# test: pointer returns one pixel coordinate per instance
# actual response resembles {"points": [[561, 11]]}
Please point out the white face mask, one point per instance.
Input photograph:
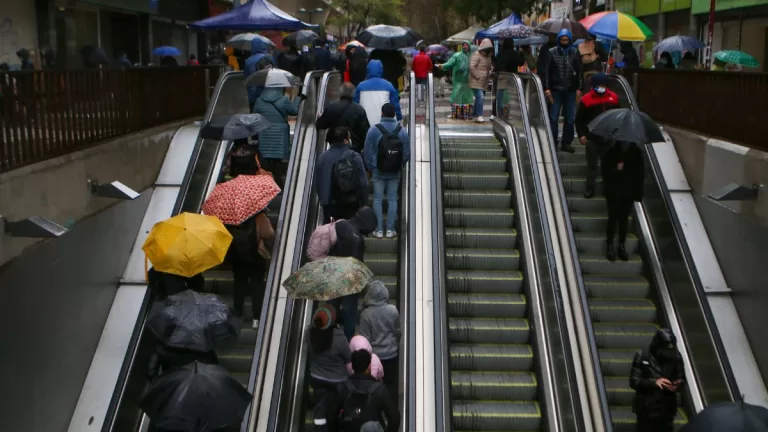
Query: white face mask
{"points": [[600, 90]]}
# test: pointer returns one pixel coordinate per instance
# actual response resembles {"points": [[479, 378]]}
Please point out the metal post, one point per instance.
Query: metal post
{"points": [[710, 34], [208, 88]]}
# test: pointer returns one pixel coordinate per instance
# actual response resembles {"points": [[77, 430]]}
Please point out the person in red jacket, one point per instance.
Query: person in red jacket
{"points": [[595, 102], [422, 66]]}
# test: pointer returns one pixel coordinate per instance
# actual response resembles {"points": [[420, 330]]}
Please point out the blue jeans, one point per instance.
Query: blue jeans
{"points": [[348, 304], [567, 101], [500, 102], [479, 98], [388, 182]]}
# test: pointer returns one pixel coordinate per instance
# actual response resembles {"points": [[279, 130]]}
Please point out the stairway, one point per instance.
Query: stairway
{"points": [[493, 383], [621, 299]]}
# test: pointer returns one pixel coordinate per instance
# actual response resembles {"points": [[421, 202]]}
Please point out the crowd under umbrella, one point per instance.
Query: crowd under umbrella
{"points": [[729, 417], [237, 200], [554, 25], [194, 321], [243, 41], [679, 43], [233, 127], [328, 278], [389, 37], [166, 51], [301, 38], [623, 125], [273, 78], [737, 58], [616, 25], [197, 397]]}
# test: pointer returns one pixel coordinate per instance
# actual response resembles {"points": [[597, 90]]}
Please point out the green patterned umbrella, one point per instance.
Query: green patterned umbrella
{"points": [[328, 278], [737, 57]]}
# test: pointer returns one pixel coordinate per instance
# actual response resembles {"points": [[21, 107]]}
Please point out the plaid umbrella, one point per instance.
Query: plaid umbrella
{"points": [[328, 278], [737, 57], [235, 201]]}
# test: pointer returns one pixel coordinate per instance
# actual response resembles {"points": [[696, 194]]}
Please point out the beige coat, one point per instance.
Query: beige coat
{"points": [[480, 66]]}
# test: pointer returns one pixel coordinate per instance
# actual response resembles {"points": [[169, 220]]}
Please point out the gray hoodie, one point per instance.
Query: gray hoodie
{"points": [[380, 321], [331, 365]]}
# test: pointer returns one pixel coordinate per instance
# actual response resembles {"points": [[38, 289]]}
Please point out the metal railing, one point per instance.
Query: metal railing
{"points": [[48, 113]]}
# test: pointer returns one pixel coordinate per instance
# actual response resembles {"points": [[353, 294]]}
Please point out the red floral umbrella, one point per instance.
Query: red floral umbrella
{"points": [[235, 201]]}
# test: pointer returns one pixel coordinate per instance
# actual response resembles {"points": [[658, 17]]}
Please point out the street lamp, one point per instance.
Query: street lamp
{"points": [[310, 12]]}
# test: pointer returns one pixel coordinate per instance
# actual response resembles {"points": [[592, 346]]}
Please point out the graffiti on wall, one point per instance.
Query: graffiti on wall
{"points": [[9, 41]]}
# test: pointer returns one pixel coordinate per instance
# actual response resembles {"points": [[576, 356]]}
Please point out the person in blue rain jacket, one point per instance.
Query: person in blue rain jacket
{"points": [[375, 91], [259, 52]]}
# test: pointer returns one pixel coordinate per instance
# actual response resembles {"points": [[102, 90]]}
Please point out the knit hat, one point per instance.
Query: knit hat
{"points": [[599, 79], [326, 313]]}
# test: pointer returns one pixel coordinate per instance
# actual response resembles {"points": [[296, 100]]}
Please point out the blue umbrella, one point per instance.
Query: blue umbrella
{"points": [[512, 25], [165, 51], [252, 16], [678, 44]]}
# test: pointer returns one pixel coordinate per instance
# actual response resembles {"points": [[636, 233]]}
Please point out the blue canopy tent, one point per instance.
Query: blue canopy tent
{"points": [[506, 23], [254, 15]]}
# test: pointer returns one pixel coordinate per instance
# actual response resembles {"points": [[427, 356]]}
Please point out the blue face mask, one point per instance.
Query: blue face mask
{"points": [[599, 90]]}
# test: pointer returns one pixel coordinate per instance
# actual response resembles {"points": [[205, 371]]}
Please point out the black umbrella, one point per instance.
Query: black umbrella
{"points": [[554, 25], [729, 417], [195, 321], [301, 38], [234, 127], [388, 37], [625, 125], [197, 397]]}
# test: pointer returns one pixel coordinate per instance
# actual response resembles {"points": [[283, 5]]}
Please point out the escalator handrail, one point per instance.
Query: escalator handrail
{"points": [[538, 179], [132, 349], [689, 262], [604, 416], [273, 279], [439, 297]]}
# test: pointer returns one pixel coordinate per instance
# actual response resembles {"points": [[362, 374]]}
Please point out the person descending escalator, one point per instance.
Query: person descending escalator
{"points": [[365, 399], [165, 284], [360, 342], [562, 79], [623, 175], [657, 376]]}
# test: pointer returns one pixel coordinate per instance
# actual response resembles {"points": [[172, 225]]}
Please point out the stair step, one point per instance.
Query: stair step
{"points": [[496, 415], [578, 204], [484, 357], [487, 305], [622, 310], [479, 152], [497, 165], [484, 281], [454, 180], [489, 330], [479, 218], [478, 199], [481, 238], [493, 385], [594, 243], [381, 246], [599, 264], [482, 259], [579, 185], [617, 286], [382, 264], [616, 362], [237, 358], [618, 390], [624, 335], [624, 419], [591, 222]]}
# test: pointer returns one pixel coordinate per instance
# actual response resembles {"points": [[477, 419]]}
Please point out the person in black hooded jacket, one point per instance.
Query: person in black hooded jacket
{"points": [[357, 64], [380, 407], [346, 112], [657, 375], [350, 242]]}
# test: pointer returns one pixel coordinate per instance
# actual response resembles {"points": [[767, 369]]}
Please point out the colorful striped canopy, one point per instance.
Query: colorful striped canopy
{"points": [[617, 25]]}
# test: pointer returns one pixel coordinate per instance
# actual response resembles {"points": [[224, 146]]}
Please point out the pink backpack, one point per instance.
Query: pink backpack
{"points": [[321, 241]]}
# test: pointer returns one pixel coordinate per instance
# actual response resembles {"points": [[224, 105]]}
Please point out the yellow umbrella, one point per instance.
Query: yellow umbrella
{"points": [[187, 244]]}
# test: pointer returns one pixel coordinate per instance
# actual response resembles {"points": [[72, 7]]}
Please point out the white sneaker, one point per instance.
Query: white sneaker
{"points": [[391, 234], [255, 324], [378, 234], [479, 119]]}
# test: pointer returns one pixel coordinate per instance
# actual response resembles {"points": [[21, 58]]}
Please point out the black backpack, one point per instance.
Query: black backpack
{"points": [[390, 155], [358, 407], [345, 180]]}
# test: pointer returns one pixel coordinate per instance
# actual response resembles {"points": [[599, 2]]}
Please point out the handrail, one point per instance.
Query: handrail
{"points": [[695, 279], [595, 385], [133, 346], [440, 301], [266, 316]]}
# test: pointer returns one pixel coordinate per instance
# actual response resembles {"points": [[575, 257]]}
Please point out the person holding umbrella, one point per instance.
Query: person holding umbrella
{"points": [[260, 57]]}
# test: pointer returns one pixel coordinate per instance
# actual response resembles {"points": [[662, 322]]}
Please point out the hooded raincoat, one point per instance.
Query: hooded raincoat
{"points": [[275, 141], [375, 91], [259, 51], [459, 64], [380, 321]]}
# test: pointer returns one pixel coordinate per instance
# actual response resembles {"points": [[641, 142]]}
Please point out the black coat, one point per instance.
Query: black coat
{"points": [[346, 113], [350, 234], [380, 400], [648, 366], [394, 64], [357, 63], [592, 105], [562, 70], [508, 59], [626, 183], [322, 59]]}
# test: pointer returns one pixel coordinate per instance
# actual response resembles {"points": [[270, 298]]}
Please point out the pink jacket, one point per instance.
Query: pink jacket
{"points": [[359, 343]]}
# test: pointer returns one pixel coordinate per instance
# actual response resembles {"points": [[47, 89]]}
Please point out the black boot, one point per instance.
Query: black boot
{"points": [[623, 255], [610, 254], [589, 192], [567, 148]]}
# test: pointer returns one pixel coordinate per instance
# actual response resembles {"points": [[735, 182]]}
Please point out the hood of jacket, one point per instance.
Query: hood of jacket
{"points": [[375, 69], [23, 54], [272, 94], [663, 339], [360, 343], [364, 220], [258, 46], [567, 33], [485, 44], [469, 44], [377, 295]]}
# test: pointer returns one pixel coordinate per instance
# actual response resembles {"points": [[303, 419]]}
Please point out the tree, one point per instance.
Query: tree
{"points": [[489, 11], [360, 14]]}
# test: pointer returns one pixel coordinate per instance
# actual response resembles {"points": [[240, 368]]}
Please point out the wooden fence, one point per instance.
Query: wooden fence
{"points": [[44, 114]]}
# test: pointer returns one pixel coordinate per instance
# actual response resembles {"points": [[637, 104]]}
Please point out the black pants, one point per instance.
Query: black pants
{"points": [[391, 377], [278, 169], [249, 281], [618, 214], [645, 424], [337, 211], [592, 158], [326, 406]]}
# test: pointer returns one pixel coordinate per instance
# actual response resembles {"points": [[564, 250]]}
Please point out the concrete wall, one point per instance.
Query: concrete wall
{"points": [[58, 188], [738, 230], [18, 29]]}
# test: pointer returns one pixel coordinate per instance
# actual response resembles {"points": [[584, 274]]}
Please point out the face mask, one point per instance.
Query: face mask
{"points": [[663, 61], [599, 90], [668, 353]]}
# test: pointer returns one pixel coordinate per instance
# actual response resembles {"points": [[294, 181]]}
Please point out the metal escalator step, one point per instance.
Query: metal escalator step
{"points": [[622, 310], [487, 305], [489, 330], [579, 157], [591, 222], [579, 185], [247, 308], [381, 246], [496, 415], [242, 378], [624, 419], [594, 243], [493, 385], [248, 335], [483, 281], [624, 335], [495, 151], [573, 169], [496, 165], [454, 180], [480, 218], [617, 286], [382, 264], [237, 358], [478, 198], [481, 238], [390, 281], [578, 204], [617, 362], [592, 264], [491, 357], [482, 259], [470, 143], [219, 281], [618, 390]]}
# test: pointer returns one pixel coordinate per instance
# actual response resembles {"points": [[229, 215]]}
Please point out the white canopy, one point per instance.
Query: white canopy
{"points": [[466, 35]]}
